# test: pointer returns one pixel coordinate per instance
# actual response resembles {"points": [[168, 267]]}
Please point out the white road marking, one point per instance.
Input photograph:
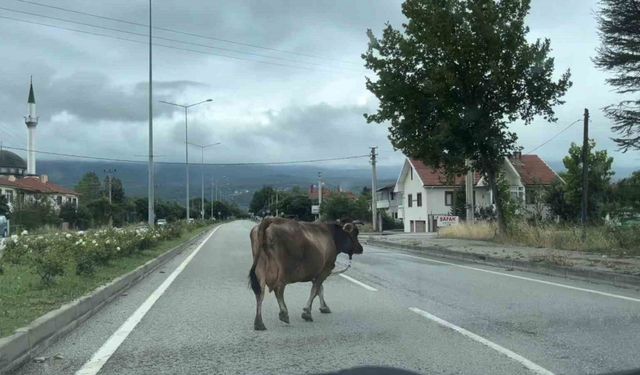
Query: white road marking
{"points": [[502, 350], [367, 287], [523, 278], [99, 358]]}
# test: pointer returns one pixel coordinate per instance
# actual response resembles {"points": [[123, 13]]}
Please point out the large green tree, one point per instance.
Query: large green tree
{"points": [[117, 190], [565, 200], [452, 80], [343, 207], [89, 188], [619, 23], [262, 200], [298, 205], [626, 194]]}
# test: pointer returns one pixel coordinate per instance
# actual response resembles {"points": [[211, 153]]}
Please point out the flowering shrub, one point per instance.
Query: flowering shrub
{"points": [[83, 252]]}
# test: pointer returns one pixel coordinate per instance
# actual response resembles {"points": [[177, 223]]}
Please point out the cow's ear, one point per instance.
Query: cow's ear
{"points": [[348, 228]]}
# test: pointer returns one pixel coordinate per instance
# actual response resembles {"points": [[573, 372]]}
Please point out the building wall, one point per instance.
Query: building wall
{"points": [[56, 200], [385, 203], [413, 187]]}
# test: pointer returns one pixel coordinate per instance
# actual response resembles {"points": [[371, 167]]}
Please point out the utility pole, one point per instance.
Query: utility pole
{"points": [[469, 192], [319, 193], [211, 198], [585, 172], [277, 212], [109, 173], [151, 208], [374, 208]]}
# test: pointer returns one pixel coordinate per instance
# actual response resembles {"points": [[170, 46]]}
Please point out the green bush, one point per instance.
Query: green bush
{"points": [[49, 255]]}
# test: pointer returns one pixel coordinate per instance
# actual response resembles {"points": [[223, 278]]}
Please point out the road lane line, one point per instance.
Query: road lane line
{"points": [[367, 287], [523, 278], [99, 358], [502, 350]]}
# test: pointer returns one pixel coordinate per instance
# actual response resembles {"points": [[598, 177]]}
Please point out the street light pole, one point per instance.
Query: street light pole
{"points": [[186, 141], [151, 198], [202, 147], [211, 198]]}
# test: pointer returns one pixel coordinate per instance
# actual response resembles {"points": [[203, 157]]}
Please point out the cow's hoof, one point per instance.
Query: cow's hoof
{"points": [[325, 310], [259, 326], [284, 317], [306, 315]]}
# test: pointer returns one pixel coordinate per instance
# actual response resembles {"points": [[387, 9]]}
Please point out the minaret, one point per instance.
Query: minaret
{"points": [[31, 120]]}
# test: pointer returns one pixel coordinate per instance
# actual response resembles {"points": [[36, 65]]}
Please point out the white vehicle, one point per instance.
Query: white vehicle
{"points": [[162, 221]]}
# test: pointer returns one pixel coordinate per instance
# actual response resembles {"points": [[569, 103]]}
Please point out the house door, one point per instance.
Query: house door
{"points": [[421, 226]]}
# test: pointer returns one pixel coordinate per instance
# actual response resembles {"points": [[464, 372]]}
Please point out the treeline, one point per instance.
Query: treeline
{"points": [[95, 210], [296, 204]]}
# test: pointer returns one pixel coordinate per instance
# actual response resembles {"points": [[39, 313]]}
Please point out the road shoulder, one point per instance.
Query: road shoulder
{"points": [[559, 263]]}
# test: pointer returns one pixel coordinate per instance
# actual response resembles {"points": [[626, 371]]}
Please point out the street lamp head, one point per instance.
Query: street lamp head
{"points": [[209, 100]]}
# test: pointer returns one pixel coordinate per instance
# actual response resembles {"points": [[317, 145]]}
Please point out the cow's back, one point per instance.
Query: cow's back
{"points": [[300, 250]]}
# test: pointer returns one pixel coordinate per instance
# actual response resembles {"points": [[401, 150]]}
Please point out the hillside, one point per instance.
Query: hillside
{"points": [[237, 182]]}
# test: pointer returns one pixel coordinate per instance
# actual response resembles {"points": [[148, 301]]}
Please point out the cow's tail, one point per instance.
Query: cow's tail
{"points": [[261, 245]]}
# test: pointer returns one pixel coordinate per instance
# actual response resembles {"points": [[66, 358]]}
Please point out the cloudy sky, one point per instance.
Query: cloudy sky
{"points": [[300, 96]]}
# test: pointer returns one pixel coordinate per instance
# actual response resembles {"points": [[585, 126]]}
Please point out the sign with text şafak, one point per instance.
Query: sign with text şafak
{"points": [[447, 221]]}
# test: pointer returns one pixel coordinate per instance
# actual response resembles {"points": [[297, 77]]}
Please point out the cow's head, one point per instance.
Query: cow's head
{"points": [[346, 239]]}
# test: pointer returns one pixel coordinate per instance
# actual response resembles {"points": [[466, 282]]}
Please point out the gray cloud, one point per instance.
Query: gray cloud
{"points": [[92, 96], [91, 91]]}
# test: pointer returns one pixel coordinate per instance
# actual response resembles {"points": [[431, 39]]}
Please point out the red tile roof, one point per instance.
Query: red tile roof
{"points": [[533, 170], [35, 185], [433, 177]]}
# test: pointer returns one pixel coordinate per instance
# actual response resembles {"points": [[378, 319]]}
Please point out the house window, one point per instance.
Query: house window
{"points": [[59, 200], [448, 198], [411, 172], [391, 195], [409, 201], [419, 199], [9, 195]]}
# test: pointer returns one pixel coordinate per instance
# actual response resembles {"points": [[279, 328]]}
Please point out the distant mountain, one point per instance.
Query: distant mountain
{"points": [[236, 182]]}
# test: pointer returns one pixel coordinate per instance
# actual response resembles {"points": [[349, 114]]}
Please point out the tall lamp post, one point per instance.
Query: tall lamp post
{"points": [[186, 141], [202, 147]]}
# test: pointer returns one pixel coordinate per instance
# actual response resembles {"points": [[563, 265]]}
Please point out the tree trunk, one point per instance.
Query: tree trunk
{"points": [[493, 184]]}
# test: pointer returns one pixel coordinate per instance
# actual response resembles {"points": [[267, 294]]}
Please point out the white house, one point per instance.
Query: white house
{"points": [[389, 201], [427, 193]]}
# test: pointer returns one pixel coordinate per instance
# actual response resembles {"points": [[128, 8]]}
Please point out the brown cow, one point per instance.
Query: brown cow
{"points": [[287, 251]]}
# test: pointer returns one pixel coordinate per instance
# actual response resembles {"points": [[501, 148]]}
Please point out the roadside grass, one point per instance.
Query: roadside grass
{"points": [[479, 231], [24, 297], [600, 239]]}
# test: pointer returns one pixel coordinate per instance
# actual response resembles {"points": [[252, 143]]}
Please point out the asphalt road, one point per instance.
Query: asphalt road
{"points": [[421, 314]]}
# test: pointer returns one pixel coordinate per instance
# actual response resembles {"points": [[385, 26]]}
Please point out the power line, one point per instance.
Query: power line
{"points": [[185, 33], [163, 38], [78, 156], [164, 45], [552, 138]]}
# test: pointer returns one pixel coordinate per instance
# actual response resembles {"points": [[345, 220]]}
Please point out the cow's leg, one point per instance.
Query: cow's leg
{"points": [[258, 324], [284, 313], [306, 311], [323, 305], [259, 287]]}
